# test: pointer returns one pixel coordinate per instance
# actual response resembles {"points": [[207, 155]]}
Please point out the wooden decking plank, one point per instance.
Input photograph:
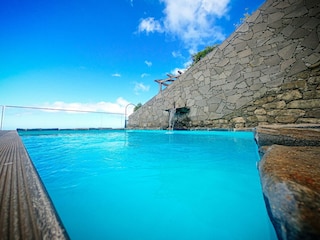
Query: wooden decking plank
{"points": [[26, 211]]}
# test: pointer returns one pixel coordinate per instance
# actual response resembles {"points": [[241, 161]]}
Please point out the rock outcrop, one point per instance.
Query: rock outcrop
{"points": [[287, 135], [290, 178]]}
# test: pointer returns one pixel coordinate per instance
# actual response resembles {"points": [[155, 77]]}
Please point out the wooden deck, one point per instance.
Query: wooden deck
{"points": [[26, 211]]}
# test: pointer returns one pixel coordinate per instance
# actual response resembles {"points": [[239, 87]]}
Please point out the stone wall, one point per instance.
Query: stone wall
{"points": [[266, 72]]}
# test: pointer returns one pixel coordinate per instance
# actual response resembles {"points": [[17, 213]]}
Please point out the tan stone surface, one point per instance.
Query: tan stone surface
{"points": [[297, 164], [290, 135], [290, 178]]}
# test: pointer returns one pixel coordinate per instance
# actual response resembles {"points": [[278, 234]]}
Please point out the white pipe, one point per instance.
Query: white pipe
{"points": [[2, 116]]}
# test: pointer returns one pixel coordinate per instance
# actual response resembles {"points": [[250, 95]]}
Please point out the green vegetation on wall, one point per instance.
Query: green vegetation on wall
{"points": [[137, 107], [198, 56]]}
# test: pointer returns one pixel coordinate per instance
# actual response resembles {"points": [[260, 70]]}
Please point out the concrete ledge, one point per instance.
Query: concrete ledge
{"points": [[26, 210]]}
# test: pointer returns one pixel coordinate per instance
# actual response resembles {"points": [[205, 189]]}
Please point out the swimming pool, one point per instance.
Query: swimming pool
{"points": [[120, 184]]}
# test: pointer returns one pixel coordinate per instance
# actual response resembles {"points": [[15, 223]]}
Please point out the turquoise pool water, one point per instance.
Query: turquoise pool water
{"points": [[150, 185]]}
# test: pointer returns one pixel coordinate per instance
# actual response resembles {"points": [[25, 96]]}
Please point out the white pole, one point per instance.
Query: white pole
{"points": [[125, 114], [2, 116]]}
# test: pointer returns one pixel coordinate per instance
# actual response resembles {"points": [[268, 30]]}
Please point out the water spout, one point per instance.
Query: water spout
{"points": [[172, 113]]}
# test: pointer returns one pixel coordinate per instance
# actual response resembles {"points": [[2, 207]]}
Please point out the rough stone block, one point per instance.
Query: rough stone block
{"points": [[239, 125], [255, 87], [247, 36], [216, 70], [251, 108], [273, 112], [308, 120], [223, 62], [244, 61], [197, 74], [257, 61], [290, 178], [247, 93], [290, 95], [287, 31], [313, 113], [242, 85], [201, 103], [287, 63], [243, 101], [262, 118], [244, 53], [213, 107], [281, 5], [228, 49], [239, 44], [277, 25], [238, 120], [275, 17], [259, 27], [313, 103], [206, 73], [204, 90], [286, 119], [223, 45], [261, 49], [264, 100], [311, 22], [220, 108], [273, 60], [311, 41], [287, 51], [217, 83], [252, 119], [215, 115], [252, 74], [233, 98], [297, 11], [295, 113], [260, 111], [313, 59], [274, 105], [265, 78], [269, 36], [271, 70], [243, 28], [299, 33], [301, 84], [254, 17]]}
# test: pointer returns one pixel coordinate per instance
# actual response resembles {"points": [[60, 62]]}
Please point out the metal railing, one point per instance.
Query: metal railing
{"points": [[4, 107], [2, 116], [125, 114]]}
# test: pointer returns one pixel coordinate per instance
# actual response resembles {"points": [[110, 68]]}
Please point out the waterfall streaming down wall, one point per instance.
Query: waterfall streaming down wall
{"points": [[172, 113]]}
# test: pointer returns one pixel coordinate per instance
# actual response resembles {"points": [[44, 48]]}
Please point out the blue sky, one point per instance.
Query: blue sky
{"points": [[100, 55]]}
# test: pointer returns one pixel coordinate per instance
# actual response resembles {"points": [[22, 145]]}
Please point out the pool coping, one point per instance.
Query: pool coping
{"points": [[27, 211]]}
